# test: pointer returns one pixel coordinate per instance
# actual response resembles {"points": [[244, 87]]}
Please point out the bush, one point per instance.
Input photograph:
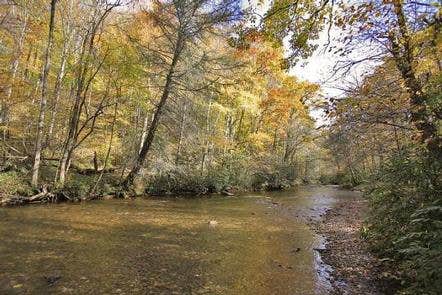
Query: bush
{"points": [[346, 179], [176, 182], [14, 183], [405, 224], [78, 186], [273, 178], [233, 171]]}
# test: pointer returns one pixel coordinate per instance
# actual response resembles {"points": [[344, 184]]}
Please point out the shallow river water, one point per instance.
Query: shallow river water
{"points": [[262, 244]]}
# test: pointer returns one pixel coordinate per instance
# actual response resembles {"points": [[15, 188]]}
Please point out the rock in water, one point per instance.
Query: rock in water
{"points": [[52, 280], [213, 223], [227, 193]]}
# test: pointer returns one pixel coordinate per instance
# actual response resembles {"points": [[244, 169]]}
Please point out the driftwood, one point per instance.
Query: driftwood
{"points": [[227, 193], [92, 171], [44, 196]]}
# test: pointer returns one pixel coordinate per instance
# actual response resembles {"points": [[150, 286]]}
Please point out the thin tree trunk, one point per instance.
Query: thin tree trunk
{"points": [[74, 119], [95, 160], [83, 62], [239, 128], [181, 134], [57, 92], [144, 132], [43, 100], [106, 159], [28, 59], [128, 182], [207, 145], [287, 148], [83, 83]]}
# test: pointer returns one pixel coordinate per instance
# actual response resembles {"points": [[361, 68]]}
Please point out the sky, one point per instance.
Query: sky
{"points": [[318, 67], [314, 69]]}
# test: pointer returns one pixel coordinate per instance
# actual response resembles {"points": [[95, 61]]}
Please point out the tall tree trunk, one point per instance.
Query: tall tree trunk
{"points": [[128, 181], [403, 57], [181, 134], [146, 120], [43, 99], [287, 148], [28, 59], [84, 80], [57, 92], [206, 147], [239, 128], [74, 117]]}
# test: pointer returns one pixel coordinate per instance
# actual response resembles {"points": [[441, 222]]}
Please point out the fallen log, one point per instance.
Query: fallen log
{"points": [[12, 201], [92, 171], [44, 196]]}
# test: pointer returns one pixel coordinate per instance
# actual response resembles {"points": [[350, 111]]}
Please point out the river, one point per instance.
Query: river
{"points": [[261, 244]]}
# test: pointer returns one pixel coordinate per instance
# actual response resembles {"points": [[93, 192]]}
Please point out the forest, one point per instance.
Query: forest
{"points": [[120, 99]]}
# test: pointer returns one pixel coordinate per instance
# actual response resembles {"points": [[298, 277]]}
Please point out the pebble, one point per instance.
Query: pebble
{"points": [[213, 223], [66, 290]]}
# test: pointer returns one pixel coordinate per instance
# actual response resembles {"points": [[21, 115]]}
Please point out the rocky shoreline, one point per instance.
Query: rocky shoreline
{"points": [[354, 270]]}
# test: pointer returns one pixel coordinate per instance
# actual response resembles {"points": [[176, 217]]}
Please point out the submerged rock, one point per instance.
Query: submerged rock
{"points": [[297, 249], [213, 223], [52, 280]]}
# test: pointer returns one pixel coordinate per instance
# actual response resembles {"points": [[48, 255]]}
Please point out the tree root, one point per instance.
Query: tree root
{"points": [[44, 196]]}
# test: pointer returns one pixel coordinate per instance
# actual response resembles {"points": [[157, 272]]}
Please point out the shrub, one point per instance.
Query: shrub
{"points": [[14, 183], [234, 170], [176, 182], [405, 224]]}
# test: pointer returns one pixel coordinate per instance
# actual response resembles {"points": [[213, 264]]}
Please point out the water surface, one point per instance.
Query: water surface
{"points": [[262, 244]]}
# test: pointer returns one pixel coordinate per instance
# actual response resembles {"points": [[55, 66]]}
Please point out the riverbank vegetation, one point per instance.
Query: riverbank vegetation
{"points": [[386, 138]]}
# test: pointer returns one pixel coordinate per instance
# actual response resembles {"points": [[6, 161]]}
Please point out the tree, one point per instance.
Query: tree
{"points": [[300, 22], [43, 99], [208, 111], [87, 69], [391, 29], [181, 23]]}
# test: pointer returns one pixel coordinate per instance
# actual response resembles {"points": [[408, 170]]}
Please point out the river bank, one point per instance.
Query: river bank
{"points": [[354, 270], [16, 190]]}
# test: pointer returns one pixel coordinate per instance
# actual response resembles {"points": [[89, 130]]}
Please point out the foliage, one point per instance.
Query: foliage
{"points": [[405, 223], [229, 110], [299, 22], [14, 183], [233, 172], [385, 136]]}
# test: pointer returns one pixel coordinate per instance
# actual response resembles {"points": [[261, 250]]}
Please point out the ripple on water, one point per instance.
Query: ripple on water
{"points": [[261, 244]]}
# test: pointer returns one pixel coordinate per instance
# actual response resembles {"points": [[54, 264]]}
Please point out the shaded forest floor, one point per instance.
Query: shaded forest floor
{"points": [[355, 269]]}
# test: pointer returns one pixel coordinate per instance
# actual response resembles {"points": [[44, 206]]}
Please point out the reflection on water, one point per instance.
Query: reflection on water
{"points": [[261, 245]]}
